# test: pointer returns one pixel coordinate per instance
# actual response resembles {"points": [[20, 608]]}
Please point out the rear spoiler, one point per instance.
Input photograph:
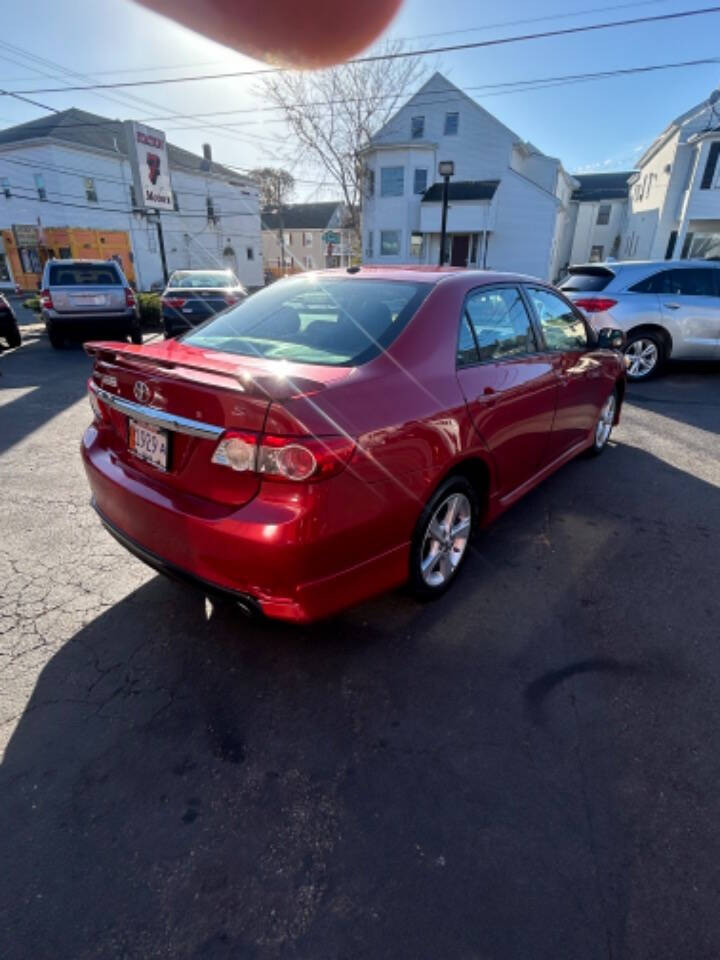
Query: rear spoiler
{"points": [[243, 379]]}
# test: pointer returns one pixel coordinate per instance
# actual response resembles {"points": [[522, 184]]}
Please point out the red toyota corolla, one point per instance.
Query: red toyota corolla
{"points": [[341, 433]]}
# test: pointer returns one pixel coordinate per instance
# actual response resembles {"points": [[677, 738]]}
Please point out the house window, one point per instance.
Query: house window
{"points": [[40, 186], [420, 181], [308, 261], [90, 191], [65, 253], [307, 238], [710, 166], [603, 217], [417, 128], [596, 254], [176, 202], [370, 183], [5, 187], [452, 123], [133, 197], [250, 253], [287, 239], [369, 244], [392, 181], [211, 211], [389, 243], [417, 246], [670, 249]]}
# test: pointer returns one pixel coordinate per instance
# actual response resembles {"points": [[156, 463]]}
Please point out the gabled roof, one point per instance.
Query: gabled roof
{"points": [[81, 128], [671, 130], [602, 186], [302, 216], [462, 190]]}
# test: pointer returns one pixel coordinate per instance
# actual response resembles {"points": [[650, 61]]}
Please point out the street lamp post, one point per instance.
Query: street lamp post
{"points": [[446, 168]]}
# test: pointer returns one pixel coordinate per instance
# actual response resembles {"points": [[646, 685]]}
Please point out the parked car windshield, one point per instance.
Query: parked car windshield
{"points": [[79, 275], [206, 278], [586, 281], [339, 321]]}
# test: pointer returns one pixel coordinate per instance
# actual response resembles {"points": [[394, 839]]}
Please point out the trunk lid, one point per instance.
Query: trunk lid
{"points": [[90, 300], [194, 396]]}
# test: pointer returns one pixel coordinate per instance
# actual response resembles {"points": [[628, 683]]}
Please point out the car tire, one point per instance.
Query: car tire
{"points": [[646, 356], [136, 335], [13, 337], [603, 427], [57, 341], [442, 538]]}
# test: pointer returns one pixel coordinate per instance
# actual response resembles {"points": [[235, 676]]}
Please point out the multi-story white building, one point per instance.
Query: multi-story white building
{"points": [[509, 204], [674, 202], [66, 189], [597, 217]]}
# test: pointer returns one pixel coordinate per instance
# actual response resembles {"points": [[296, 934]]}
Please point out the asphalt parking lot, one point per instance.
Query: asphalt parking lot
{"points": [[526, 769]]}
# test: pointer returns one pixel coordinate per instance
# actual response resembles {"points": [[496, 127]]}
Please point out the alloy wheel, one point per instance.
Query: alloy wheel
{"points": [[643, 356], [605, 423], [446, 539]]}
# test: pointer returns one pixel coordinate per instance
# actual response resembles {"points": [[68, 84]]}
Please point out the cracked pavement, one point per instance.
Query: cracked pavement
{"points": [[527, 768]]}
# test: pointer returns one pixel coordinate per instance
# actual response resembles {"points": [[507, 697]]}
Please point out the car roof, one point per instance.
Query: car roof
{"points": [[67, 261], [424, 273], [614, 265]]}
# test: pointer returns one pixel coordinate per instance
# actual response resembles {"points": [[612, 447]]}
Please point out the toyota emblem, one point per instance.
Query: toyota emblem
{"points": [[142, 391]]}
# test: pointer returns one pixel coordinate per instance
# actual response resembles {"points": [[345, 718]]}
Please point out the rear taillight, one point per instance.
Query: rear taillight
{"points": [[175, 303], [129, 298], [284, 458], [595, 304], [232, 298], [46, 300]]}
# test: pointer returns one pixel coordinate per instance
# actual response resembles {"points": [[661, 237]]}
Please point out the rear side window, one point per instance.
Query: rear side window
{"points": [[77, 275], [338, 322], [562, 328], [585, 282], [500, 323], [690, 282]]}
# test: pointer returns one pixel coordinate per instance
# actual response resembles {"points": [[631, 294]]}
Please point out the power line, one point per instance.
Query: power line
{"points": [[128, 210], [381, 57]]}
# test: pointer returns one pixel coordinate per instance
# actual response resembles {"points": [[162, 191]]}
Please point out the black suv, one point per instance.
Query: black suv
{"points": [[9, 329]]}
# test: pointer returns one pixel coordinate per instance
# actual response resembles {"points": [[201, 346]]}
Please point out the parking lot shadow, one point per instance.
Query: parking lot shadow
{"points": [[688, 393], [186, 783]]}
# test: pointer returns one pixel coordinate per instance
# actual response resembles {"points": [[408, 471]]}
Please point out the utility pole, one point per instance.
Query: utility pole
{"points": [[446, 168], [154, 217]]}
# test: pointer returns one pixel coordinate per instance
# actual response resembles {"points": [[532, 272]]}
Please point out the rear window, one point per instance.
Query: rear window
{"points": [[76, 275], [586, 281], [210, 278], [338, 322]]}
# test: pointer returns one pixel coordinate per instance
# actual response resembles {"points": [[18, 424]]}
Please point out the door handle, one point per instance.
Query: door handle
{"points": [[672, 306]]}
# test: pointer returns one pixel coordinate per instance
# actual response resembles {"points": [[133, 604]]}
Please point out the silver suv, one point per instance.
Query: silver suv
{"points": [[667, 308], [82, 298]]}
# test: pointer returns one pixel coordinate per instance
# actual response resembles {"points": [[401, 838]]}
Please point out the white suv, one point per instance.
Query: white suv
{"points": [[666, 308]]}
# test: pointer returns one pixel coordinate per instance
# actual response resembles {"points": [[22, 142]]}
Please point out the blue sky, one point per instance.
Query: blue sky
{"points": [[597, 125]]}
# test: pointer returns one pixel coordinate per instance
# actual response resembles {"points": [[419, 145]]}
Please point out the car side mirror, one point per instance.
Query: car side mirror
{"points": [[610, 338]]}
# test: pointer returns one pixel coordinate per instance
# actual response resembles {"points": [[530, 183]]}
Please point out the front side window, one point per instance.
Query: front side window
{"points": [[420, 181], [417, 127], [500, 323], [389, 243], [339, 322], [603, 217], [392, 181], [562, 328], [90, 191], [452, 124]]}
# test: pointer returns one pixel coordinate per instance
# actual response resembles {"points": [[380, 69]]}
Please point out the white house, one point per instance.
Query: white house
{"points": [[66, 189], [674, 203], [509, 204], [598, 213]]}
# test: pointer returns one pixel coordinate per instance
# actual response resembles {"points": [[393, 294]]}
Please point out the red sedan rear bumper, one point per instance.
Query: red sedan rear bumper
{"points": [[265, 551]]}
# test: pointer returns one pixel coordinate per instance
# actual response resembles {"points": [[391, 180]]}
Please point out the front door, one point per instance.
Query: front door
{"points": [[582, 386], [509, 387], [460, 250]]}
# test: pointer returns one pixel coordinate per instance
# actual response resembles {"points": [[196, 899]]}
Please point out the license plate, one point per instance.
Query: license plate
{"points": [[149, 443], [82, 301]]}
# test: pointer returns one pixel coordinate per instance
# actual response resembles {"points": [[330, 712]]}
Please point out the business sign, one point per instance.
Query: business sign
{"points": [[26, 234], [147, 152], [330, 236]]}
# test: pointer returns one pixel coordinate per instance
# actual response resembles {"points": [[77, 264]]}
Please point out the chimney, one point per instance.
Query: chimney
{"points": [[207, 156]]}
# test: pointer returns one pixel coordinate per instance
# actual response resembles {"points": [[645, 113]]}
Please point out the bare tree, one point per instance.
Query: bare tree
{"points": [[276, 185], [333, 114]]}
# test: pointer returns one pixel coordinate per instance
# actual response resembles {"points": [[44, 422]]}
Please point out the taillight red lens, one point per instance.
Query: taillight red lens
{"points": [[46, 300], [284, 458], [595, 304], [129, 297], [174, 302]]}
